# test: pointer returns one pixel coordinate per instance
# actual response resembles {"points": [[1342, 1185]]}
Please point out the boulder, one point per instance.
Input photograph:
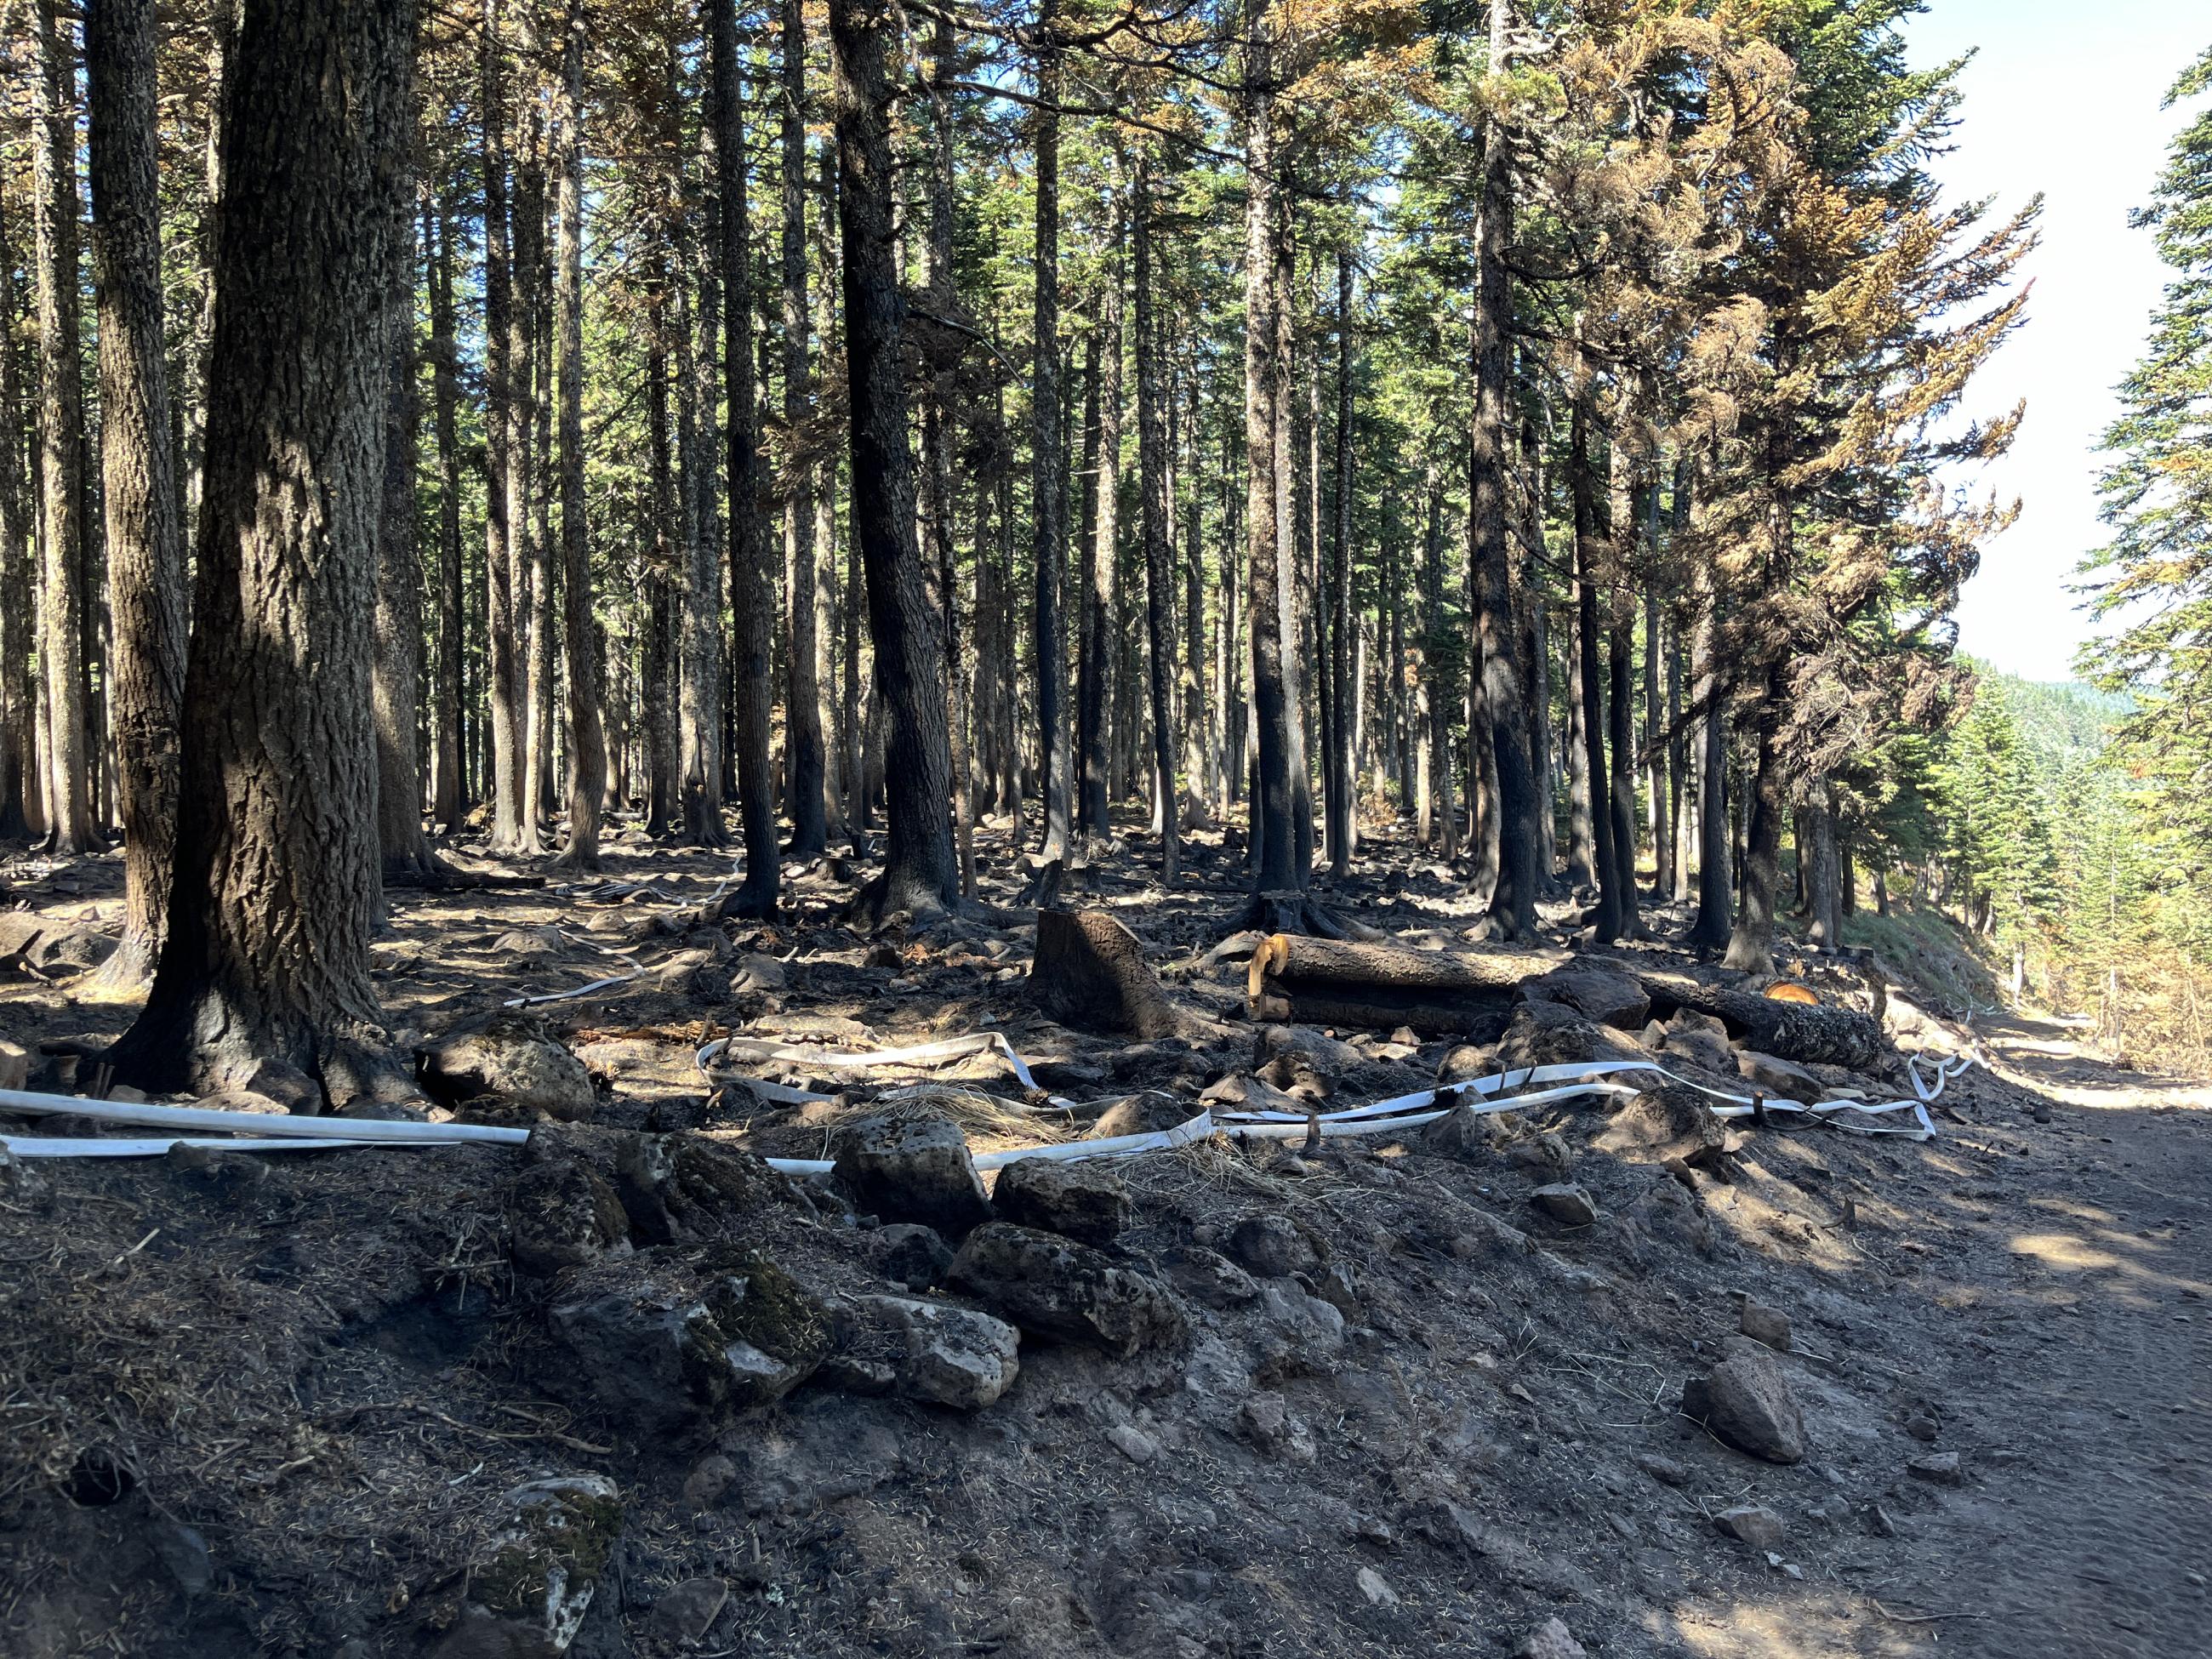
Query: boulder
{"points": [[559, 1214], [1272, 1246], [1663, 1120], [757, 972], [911, 1165], [1940, 1467], [937, 1354], [682, 1186], [508, 1058], [1595, 990], [1702, 1041], [1302, 1062], [1298, 1335], [1566, 1202], [1084, 1201], [674, 1346], [912, 1254], [1056, 1287], [1746, 1401], [1552, 1034], [1463, 1060], [529, 1590], [15, 1065]]}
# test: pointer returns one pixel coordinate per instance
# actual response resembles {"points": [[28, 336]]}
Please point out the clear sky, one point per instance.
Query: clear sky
{"points": [[2062, 98]]}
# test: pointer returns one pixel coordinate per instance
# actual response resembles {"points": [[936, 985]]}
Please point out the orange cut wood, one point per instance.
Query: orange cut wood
{"points": [[1790, 991]]}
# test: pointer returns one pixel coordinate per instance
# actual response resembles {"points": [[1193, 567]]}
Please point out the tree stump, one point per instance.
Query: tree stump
{"points": [[1090, 973]]}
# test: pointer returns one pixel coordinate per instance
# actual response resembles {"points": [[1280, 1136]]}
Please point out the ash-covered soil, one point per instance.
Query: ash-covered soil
{"points": [[626, 1390]]}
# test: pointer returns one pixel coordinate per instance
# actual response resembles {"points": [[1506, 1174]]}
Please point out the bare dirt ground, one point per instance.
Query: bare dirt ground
{"points": [[1447, 1420]]}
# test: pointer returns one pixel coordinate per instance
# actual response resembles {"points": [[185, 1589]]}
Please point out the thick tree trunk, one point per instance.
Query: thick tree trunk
{"points": [[1620, 657], [18, 723], [700, 738], [266, 957], [804, 766], [529, 569], [1439, 685], [1535, 596], [1152, 490], [64, 626], [449, 705], [1342, 764], [1500, 703], [1048, 456], [1584, 488], [1266, 386], [586, 740], [1750, 944], [1094, 675], [145, 547], [1823, 868], [397, 671], [504, 510], [752, 589], [1715, 919], [656, 691], [939, 418], [920, 876]]}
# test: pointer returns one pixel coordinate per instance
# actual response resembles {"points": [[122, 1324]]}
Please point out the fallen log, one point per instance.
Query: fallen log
{"points": [[1319, 981], [1812, 1034]]}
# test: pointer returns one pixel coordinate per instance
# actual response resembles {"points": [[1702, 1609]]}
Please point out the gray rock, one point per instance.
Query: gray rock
{"points": [[1782, 1077], [1664, 1470], [911, 1165], [1567, 1203], [559, 1214], [1085, 1201], [1923, 1428], [1940, 1467], [686, 1613], [1747, 1402], [756, 972], [1209, 1277], [1145, 1113], [184, 1552], [709, 1481], [937, 1354], [1298, 1332], [509, 1058], [1056, 1287], [1753, 1524], [1272, 1246], [1702, 1041], [674, 1346], [1133, 1443], [531, 1587], [1376, 1589], [1551, 1640], [1877, 1521], [677, 1186], [1594, 990], [912, 1254], [1765, 1325], [1467, 1059]]}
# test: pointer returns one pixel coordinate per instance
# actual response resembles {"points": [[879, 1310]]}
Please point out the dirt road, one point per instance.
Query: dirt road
{"points": [[2059, 1338]]}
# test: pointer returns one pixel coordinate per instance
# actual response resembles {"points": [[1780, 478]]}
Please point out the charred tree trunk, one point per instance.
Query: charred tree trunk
{"points": [[398, 667], [504, 511], [18, 724], [448, 707], [587, 754], [529, 572], [1750, 944], [1500, 701], [656, 708], [1159, 552], [265, 965], [1048, 456], [1266, 388], [752, 589], [1341, 763], [1584, 488], [1715, 919], [920, 876], [145, 550], [1095, 676], [803, 768], [1620, 655], [64, 624]]}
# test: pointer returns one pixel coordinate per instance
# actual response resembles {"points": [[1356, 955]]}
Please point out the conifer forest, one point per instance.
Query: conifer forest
{"points": [[1214, 560]]}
